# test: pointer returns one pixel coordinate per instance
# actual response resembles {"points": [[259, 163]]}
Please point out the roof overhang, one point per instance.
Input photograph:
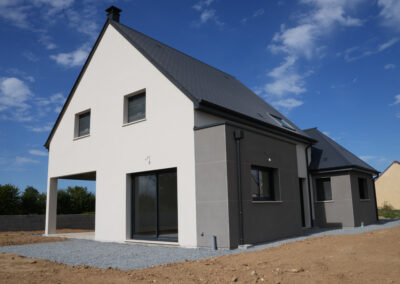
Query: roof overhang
{"points": [[241, 118], [344, 169]]}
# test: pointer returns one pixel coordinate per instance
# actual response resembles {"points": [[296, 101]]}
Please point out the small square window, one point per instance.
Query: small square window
{"points": [[135, 107], [324, 190], [362, 188], [82, 124], [264, 184]]}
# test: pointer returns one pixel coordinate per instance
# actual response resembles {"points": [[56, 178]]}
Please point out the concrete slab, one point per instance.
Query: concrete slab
{"points": [[78, 236]]}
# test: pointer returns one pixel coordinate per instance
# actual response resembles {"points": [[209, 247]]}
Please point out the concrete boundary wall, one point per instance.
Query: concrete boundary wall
{"points": [[37, 222]]}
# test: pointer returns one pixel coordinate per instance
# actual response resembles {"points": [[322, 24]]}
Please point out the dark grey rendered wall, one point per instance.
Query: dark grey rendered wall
{"points": [[346, 209], [216, 188], [263, 221], [364, 210], [37, 222]]}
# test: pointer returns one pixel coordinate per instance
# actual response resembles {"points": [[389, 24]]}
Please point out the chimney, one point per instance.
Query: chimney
{"points": [[113, 13]]}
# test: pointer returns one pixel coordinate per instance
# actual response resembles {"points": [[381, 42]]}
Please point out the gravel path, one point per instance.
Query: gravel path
{"points": [[136, 256]]}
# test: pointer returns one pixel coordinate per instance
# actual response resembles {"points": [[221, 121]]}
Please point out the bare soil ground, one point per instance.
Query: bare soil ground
{"points": [[31, 237], [372, 257]]}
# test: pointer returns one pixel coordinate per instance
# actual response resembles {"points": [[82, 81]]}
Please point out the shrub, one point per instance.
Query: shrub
{"points": [[387, 211]]}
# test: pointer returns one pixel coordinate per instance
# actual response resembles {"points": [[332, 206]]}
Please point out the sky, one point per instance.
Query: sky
{"points": [[331, 64]]}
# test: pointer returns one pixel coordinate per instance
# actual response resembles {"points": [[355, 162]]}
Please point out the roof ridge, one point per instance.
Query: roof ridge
{"points": [[177, 50]]}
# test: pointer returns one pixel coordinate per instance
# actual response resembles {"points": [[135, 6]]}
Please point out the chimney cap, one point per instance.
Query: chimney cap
{"points": [[113, 13]]}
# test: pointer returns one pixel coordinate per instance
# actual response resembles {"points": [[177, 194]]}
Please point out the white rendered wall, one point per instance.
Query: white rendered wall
{"points": [[164, 140]]}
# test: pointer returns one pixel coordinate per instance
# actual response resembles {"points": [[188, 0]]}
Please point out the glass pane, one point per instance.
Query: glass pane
{"points": [[362, 187], [266, 185], [84, 124], [167, 205], [255, 184], [136, 107], [145, 206], [324, 190]]}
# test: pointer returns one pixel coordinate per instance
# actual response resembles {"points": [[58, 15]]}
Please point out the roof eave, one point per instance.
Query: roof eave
{"points": [[344, 168], [239, 117]]}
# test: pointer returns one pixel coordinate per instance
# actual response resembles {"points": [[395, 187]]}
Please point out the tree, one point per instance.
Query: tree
{"points": [[10, 202], [63, 202], [81, 200], [33, 202]]}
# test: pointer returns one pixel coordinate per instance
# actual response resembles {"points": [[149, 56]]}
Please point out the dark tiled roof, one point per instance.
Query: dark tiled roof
{"points": [[327, 154], [202, 82]]}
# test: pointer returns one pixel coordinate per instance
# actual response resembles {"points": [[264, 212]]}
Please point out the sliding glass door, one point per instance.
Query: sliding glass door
{"points": [[155, 205]]}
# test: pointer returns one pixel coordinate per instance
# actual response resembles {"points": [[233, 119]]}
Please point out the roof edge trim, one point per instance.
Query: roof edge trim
{"points": [[241, 118]]}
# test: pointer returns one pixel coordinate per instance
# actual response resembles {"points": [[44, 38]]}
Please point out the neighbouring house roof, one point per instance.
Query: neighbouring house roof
{"points": [[393, 163], [326, 154], [206, 86]]}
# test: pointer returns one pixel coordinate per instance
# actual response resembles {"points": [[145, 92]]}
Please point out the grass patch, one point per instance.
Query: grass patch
{"points": [[387, 211]]}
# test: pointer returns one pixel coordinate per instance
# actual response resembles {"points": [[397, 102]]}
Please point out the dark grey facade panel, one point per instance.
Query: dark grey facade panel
{"points": [[263, 221]]}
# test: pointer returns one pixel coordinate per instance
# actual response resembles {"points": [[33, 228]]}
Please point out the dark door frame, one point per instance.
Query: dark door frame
{"points": [[156, 237]]}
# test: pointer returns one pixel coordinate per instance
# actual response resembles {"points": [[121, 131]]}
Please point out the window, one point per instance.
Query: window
{"points": [[283, 122], [362, 188], [135, 107], [324, 190], [264, 184], [82, 124]]}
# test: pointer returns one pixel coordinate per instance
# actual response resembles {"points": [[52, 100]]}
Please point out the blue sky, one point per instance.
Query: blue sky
{"points": [[334, 64]]}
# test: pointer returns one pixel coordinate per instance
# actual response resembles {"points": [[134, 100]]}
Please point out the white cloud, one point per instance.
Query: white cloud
{"points": [[199, 6], [304, 41], [55, 6], [14, 93], [303, 38], [369, 158], [44, 128], [72, 59], [24, 160], [30, 56], [387, 44], [288, 104], [256, 14], [38, 152], [390, 66], [396, 100], [356, 52], [286, 80], [207, 14], [390, 12], [15, 12]]}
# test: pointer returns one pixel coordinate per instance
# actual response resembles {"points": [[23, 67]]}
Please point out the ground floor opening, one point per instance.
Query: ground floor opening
{"points": [[154, 205]]}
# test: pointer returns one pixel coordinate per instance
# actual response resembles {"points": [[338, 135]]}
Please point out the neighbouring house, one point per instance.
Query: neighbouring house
{"points": [[181, 152], [388, 186]]}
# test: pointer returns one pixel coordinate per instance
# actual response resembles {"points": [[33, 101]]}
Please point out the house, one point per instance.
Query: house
{"points": [[181, 152], [388, 186], [343, 184]]}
